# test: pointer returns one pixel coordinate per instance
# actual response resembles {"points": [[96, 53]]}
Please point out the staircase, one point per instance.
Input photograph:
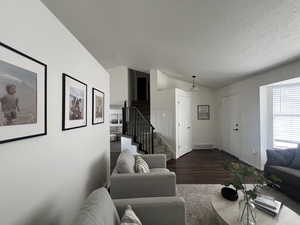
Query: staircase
{"points": [[160, 147], [138, 127], [141, 132], [143, 107]]}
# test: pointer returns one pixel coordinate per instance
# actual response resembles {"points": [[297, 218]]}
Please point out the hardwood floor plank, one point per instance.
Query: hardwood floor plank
{"points": [[202, 167]]}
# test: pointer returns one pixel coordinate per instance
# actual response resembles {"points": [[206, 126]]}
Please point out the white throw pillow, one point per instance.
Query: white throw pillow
{"points": [[125, 163], [130, 218], [140, 165]]}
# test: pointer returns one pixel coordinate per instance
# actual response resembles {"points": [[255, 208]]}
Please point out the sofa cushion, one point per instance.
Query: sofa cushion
{"points": [[98, 209], [130, 218], [125, 163], [280, 157], [286, 175], [296, 162], [140, 165], [159, 170]]}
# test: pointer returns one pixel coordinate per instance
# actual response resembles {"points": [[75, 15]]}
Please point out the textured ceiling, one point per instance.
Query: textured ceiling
{"points": [[220, 40]]}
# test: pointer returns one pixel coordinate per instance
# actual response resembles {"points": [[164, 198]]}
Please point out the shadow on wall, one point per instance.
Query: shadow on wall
{"points": [[97, 174], [44, 215], [48, 213]]}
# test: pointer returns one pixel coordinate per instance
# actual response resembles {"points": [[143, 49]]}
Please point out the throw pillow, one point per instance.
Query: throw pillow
{"points": [[130, 218], [140, 165], [125, 163], [280, 157], [296, 162]]}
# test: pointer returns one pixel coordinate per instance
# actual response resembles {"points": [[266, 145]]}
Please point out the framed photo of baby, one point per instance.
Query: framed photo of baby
{"points": [[23, 108], [98, 106], [74, 103]]}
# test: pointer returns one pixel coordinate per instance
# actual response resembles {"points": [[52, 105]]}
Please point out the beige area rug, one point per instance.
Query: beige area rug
{"points": [[198, 207]]}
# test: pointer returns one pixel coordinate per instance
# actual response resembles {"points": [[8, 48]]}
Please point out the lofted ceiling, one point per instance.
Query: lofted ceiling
{"points": [[220, 40]]}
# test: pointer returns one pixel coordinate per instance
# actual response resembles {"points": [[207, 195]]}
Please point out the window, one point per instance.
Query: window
{"points": [[286, 116]]}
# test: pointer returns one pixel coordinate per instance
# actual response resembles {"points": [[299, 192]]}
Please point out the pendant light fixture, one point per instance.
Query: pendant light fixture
{"points": [[194, 86]]}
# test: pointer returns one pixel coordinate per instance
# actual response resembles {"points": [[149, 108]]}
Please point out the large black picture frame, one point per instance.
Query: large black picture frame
{"points": [[42, 124], [66, 77]]}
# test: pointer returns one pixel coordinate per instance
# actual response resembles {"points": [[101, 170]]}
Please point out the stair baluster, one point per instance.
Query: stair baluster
{"points": [[139, 128]]}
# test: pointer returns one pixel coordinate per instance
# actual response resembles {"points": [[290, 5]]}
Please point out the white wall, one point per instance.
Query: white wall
{"points": [[166, 82], [45, 179], [163, 111], [118, 85], [204, 131], [249, 102]]}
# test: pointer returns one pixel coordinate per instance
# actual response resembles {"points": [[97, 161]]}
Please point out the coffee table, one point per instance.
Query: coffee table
{"points": [[228, 212]]}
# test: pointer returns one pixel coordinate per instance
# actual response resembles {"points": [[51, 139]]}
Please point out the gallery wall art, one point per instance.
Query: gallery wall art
{"points": [[98, 106], [74, 114], [23, 95]]}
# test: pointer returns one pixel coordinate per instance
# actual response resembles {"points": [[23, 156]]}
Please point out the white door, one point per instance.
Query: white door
{"points": [[184, 125], [230, 115]]}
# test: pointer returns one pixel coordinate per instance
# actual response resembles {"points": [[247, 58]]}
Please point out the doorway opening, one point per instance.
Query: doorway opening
{"points": [[139, 91]]}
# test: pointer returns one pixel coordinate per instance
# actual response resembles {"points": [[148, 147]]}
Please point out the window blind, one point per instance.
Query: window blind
{"points": [[286, 113]]}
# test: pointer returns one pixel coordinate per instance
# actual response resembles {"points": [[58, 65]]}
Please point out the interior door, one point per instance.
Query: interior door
{"points": [[184, 130], [231, 138]]}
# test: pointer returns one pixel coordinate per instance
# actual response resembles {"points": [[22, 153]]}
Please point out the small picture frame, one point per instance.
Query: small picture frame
{"points": [[203, 112], [98, 107], [23, 95], [74, 103]]}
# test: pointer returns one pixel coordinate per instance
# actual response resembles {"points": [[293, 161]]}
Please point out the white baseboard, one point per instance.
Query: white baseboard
{"points": [[203, 146]]}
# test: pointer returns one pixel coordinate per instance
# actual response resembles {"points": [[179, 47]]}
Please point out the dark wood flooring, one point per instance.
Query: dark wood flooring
{"points": [[201, 167], [197, 167]]}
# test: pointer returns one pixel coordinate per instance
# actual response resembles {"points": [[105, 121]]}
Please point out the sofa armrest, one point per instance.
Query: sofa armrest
{"points": [[155, 160], [159, 210], [143, 185]]}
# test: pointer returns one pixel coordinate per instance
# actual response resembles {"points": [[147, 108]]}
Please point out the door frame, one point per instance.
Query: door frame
{"points": [[182, 94], [228, 145]]}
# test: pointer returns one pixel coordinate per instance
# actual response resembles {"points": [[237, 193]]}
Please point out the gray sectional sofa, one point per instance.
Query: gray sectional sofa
{"points": [[100, 209], [285, 165], [126, 183]]}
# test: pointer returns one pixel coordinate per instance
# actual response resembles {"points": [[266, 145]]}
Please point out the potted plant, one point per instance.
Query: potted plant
{"points": [[242, 174]]}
